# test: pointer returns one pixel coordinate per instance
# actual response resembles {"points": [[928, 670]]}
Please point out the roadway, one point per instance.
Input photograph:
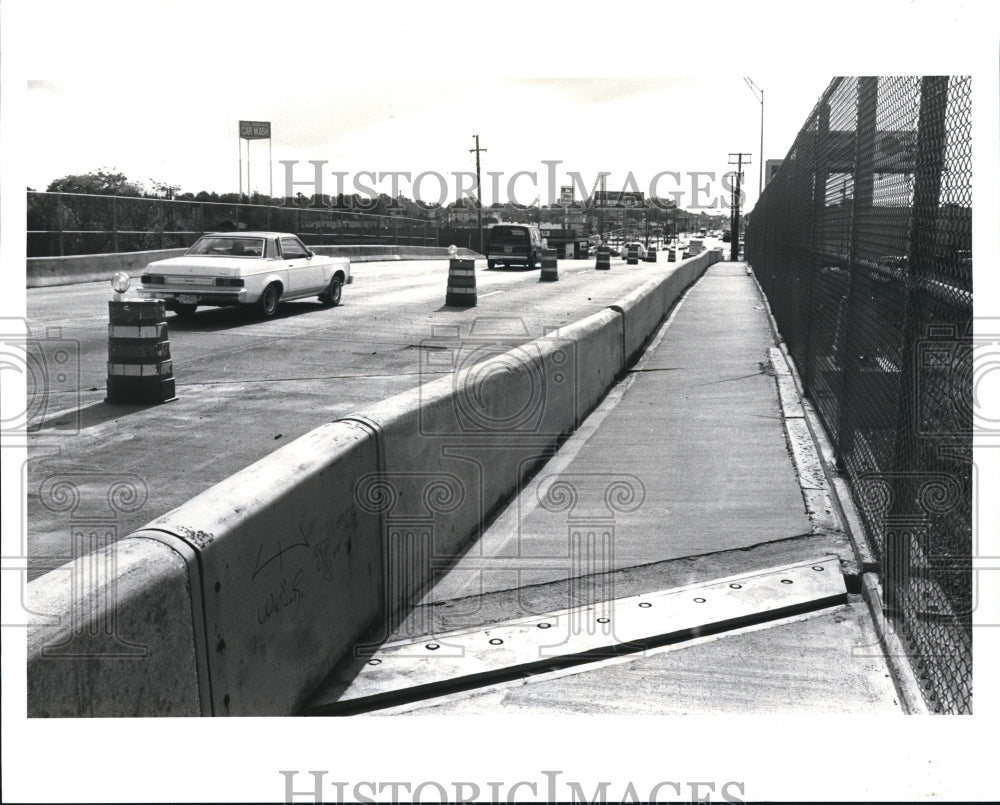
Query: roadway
{"points": [[246, 386]]}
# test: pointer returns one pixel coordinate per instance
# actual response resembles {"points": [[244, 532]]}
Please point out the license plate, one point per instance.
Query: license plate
{"points": [[507, 249], [187, 299]]}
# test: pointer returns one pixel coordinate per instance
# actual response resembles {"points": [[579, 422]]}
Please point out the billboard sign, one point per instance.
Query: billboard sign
{"points": [[255, 130]]}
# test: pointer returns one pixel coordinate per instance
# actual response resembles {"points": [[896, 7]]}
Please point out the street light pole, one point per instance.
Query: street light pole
{"points": [[760, 157]]}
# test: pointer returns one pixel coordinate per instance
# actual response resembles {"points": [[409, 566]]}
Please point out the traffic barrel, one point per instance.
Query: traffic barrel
{"points": [[632, 258], [651, 254], [550, 268], [603, 258], [671, 256], [461, 283], [140, 370]]}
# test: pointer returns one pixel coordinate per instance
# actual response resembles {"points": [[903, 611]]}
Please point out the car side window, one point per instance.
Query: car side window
{"points": [[292, 249]]}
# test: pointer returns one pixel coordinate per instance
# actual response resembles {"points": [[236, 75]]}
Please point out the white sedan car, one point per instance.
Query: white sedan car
{"points": [[245, 268]]}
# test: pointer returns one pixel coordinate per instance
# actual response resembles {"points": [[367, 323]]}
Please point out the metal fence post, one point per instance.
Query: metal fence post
{"points": [[114, 224], [928, 169], [818, 239], [864, 177], [60, 216]]}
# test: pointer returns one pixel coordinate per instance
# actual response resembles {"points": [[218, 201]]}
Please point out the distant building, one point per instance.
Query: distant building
{"points": [[617, 198]]}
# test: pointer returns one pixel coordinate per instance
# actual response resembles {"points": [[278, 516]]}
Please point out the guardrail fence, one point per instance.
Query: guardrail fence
{"points": [[863, 244], [78, 223]]}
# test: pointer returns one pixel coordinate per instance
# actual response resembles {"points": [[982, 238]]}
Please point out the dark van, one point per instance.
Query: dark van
{"points": [[514, 245]]}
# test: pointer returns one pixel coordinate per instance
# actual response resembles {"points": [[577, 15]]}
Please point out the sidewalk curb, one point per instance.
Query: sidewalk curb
{"points": [[845, 514]]}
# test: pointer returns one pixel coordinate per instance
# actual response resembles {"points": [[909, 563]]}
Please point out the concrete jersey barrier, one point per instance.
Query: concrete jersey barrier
{"points": [[247, 595], [71, 270]]}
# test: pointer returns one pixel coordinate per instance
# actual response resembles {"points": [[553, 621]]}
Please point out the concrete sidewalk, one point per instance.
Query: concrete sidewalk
{"points": [[683, 475]]}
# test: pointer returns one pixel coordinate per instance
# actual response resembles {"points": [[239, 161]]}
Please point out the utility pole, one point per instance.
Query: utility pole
{"points": [[479, 194], [734, 244]]}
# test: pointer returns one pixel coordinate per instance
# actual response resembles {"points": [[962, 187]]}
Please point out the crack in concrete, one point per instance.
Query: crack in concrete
{"points": [[724, 380]]}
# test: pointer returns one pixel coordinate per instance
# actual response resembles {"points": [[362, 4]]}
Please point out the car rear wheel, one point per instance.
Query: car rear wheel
{"points": [[331, 296], [531, 261], [185, 311], [491, 264], [268, 302]]}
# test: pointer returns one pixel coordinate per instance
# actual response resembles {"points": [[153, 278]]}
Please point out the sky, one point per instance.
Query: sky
{"points": [[652, 134], [155, 88]]}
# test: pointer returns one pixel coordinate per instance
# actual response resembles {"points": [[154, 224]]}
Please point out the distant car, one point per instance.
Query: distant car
{"points": [[256, 269], [514, 244], [634, 249]]}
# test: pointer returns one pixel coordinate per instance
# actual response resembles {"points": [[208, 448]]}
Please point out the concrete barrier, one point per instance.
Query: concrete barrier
{"points": [[47, 271], [456, 449], [290, 568], [643, 309], [248, 594], [125, 646], [283, 571]]}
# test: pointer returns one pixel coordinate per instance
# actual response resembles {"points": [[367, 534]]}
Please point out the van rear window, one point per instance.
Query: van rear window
{"points": [[511, 232]]}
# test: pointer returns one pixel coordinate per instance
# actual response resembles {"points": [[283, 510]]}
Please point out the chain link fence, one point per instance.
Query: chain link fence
{"points": [[863, 245], [77, 223]]}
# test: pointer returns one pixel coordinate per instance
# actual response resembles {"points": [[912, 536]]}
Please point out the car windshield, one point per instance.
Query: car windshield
{"points": [[225, 246]]}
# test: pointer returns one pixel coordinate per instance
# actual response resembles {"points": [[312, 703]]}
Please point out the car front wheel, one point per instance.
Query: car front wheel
{"points": [[331, 296], [185, 311], [268, 302]]}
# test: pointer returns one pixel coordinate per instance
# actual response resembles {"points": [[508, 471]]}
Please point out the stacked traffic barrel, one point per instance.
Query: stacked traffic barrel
{"points": [[140, 371], [461, 283], [550, 267], [603, 258]]}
